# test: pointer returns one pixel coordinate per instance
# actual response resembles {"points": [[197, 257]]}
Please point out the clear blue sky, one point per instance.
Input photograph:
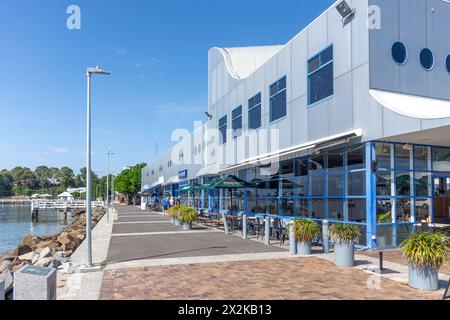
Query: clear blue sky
{"points": [[157, 51]]}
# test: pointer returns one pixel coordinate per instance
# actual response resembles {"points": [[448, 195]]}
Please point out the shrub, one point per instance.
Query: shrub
{"points": [[427, 249], [173, 211], [345, 233], [187, 215], [306, 230]]}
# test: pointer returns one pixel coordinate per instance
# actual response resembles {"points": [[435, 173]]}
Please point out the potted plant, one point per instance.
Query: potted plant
{"points": [[426, 252], [305, 232], [344, 237], [187, 216], [173, 214]]}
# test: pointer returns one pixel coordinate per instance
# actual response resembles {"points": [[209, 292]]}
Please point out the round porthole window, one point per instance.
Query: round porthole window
{"points": [[427, 59], [399, 53], [447, 63]]}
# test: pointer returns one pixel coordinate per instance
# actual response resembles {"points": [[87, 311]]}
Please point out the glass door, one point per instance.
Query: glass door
{"points": [[441, 193]]}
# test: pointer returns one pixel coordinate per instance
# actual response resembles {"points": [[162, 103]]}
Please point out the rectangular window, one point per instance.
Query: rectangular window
{"points": [[223, 129], [237, 122], [320, 76], [278, 100], [254, 112]]}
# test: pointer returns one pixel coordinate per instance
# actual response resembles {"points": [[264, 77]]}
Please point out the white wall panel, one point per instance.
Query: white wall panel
{"points": [[299, 60]]}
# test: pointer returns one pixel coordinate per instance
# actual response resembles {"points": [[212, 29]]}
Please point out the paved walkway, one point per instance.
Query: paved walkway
{"points": [[148, 258]]}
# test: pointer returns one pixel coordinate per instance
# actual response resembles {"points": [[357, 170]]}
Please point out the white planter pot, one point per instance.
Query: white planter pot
{"points": [[423, 278], [304, 248], [344, 255]]}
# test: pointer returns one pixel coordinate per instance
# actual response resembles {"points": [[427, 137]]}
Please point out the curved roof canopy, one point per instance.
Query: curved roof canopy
{"points": [[412, 106]]}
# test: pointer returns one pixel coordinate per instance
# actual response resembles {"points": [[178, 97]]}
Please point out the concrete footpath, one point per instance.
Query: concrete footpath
{"points": [[76, 284]]}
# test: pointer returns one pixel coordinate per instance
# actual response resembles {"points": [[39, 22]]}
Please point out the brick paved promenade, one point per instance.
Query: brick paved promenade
{"points": [[150, 259]]}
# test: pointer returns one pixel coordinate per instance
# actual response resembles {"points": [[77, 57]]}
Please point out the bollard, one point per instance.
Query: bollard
{"points": [[325, 239], [292, 242], [244, 227], [2, 290], [225, 223], [267, 231], [35, 283]]}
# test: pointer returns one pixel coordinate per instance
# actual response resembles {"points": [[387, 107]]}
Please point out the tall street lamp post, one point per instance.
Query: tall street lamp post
{"points": [[90, 72], [110, 153]]}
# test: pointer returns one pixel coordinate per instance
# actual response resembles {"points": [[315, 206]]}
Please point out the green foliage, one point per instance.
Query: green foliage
{"points": [[173, 211], [385, 217], [345, 233], [128, 182], [306, 230], [6, 183], [187, 215], [427, 249], [66, 177]]}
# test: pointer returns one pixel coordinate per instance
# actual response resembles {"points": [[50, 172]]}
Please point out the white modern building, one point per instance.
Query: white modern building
{"points": [[349, 122]]}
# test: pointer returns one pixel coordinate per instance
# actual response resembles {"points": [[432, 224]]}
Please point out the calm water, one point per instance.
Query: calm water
{"points": [[16, 223]]}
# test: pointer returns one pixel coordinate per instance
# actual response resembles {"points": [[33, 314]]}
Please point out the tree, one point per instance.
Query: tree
{"points": [[24, 178], [43, 176], [65, 177], [80, 179], [6, 183], [128, 182]]}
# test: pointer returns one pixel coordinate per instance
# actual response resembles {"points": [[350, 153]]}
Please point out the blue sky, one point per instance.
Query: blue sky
{"points": [[157, 52]]}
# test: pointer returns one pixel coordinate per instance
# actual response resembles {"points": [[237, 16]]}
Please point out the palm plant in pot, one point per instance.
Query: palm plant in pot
{"points": [[305, 232], [173, 214], [187, 216], [426, 252], [344, 237]]}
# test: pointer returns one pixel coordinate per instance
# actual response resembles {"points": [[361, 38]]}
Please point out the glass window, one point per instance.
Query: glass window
{"points": [[316, 165], [384, 184], [427, 59], [317, 186], [254, 112], [301, 208], [383, 151], [447, 63], [403, 184], [423, 209], [356, 158], [301, 186], [301, 168], [286, 207], [356, 210], [336, 209], [237, 122], [403, 157], [441, 159], [335, 162], [321, 84], [336, 185], [404, 212], [356, 183], [223, 129], [278, 100], [384, 210], [317, 209], [399, 53], [422, 183], [421, 158]]}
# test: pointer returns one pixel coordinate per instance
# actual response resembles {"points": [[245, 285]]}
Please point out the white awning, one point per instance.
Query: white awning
{"points": [[173, 180], [412, 106], [156, 184], [298, 150], [212, 170]]}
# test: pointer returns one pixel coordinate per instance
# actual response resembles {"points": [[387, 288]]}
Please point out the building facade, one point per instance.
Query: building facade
{"points": [[349, 122]]}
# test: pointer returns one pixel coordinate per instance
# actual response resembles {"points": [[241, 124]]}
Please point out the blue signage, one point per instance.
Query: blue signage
{"points": [[182, 174]]}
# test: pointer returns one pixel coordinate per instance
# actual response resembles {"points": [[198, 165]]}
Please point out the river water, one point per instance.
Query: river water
{"points": [[16, 223]]}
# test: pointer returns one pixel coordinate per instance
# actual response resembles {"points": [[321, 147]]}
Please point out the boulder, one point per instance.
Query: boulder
{"points": [[7, 258], [28, 241], [44, 262], [7, 277], [56, 263], [27, 257], [5, 265], [23, 249], [45, 253]]}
